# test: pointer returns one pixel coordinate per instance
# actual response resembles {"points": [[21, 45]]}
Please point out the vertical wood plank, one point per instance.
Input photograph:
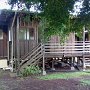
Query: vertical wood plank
{"points": [[84, 48], [17, 46]]}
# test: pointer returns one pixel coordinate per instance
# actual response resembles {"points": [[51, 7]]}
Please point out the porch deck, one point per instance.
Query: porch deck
{"points": [[56, 50]]}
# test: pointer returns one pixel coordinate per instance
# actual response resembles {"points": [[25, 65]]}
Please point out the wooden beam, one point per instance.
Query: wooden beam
{"points": [[12, 40], [17, 46], [84, 48], [44, 72]]}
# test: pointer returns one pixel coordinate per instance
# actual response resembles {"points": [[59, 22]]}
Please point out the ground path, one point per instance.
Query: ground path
{"points": [[8, 82]]}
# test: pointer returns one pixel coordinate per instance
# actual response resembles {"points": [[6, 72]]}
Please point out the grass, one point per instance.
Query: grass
{"points": [[65, 75], [85, 82]]}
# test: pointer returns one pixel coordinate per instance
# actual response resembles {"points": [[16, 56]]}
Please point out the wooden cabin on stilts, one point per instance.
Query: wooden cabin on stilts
{"points": [[20, 46]]}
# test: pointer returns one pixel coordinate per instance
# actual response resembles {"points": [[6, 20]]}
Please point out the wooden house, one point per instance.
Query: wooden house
{"points": [[17, 36], [19, 42]]}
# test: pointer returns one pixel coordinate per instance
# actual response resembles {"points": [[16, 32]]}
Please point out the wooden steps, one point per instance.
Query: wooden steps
{"points": [[33, 57]]}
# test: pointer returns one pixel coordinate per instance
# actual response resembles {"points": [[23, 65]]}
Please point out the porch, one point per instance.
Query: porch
{"points": [[70, 53]]}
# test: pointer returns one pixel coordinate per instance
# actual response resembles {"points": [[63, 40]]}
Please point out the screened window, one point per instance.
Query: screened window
{"points": [[31, 32], [22, 34], [1, 34], [26, 34]]}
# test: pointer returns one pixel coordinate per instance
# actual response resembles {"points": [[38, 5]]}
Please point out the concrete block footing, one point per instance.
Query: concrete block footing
{"points": [[72, 68], [44, 72]]}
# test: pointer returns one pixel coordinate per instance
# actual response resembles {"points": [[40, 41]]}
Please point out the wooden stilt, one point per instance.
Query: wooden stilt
{"points": [[17, 47], [84, 48], [12, 51], [53, 65], [12, 41], [84, 67], [44, 72], [72, 67]]}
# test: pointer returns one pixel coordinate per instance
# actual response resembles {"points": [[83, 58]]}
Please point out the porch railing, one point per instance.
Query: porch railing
{"points": [[52, 49], [67, 48]]}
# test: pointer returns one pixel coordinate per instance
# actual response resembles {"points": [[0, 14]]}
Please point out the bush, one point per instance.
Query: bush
{"points": [[30, 70]]}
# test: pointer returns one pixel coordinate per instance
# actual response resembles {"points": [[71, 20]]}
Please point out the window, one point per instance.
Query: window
{"points": [[26, 34], [22, 34], [31, 32], [1, 34]]}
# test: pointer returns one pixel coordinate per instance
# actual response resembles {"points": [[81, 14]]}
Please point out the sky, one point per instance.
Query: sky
{"points": [[4, 5]]}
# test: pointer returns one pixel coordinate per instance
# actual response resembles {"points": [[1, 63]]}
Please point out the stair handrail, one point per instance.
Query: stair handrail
{"points": [[32, 54], [32, 61], [34, 48]]}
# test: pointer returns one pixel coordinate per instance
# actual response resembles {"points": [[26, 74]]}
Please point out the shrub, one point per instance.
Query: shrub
{"points": [[31, 70]]}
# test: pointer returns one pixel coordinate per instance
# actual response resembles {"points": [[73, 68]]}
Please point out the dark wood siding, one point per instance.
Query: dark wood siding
{"points": [[26, 46], [3, 46], [27, 37]]}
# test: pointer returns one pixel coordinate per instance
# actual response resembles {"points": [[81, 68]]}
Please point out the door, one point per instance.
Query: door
{"points": [[27, 40]]}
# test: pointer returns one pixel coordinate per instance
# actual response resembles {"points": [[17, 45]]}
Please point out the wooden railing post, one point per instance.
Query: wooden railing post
{"points": [[17, 47], [84, 49], [72, 64], [12, 26], [44, 72]]}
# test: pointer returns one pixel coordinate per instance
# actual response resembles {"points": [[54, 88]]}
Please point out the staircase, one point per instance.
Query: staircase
{"points": [[33, 57]]}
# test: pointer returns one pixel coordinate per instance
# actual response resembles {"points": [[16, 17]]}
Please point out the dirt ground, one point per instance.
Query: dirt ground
{"points": [[9, 82]]}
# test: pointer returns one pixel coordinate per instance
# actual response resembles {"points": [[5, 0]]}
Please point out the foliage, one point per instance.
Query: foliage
{"points": [[85, 12], [55, 12], [66, 75], [56, 15], [30, 70], [84, 15]]}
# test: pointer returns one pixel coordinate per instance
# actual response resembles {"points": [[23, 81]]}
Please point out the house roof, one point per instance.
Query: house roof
{"points": [[6, 17]]}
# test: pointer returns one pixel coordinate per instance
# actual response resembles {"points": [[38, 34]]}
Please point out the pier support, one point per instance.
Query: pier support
{"points": [[44, 72], [84, 66], [52, 65], [72, 67]]}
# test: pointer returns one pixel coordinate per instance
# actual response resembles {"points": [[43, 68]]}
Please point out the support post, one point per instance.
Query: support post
{"points": [[72, 67], [44, 72], [12, 41], [84, 67], [8, 51], [17, 47], [12, 51], [53, 65], [76, 59]]}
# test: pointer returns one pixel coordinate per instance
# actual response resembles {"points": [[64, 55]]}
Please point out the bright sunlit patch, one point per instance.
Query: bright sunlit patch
{"points": [[4, 4], [77, 7]]}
